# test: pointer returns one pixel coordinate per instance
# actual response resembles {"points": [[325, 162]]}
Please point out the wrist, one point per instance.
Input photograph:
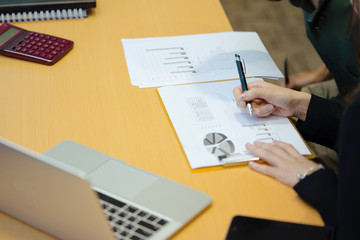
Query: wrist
{"points": [[301, 104], [300, 176]]}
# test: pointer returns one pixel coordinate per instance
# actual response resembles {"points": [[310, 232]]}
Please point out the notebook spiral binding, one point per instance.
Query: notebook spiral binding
{"points": [[43, 15]]}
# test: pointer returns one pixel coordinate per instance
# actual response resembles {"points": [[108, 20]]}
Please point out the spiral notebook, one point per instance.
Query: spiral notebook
{"points": [[37, 10]]}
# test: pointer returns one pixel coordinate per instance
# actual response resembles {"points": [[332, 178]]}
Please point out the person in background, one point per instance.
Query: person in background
{"points": [[327, 122], [327, 28]]}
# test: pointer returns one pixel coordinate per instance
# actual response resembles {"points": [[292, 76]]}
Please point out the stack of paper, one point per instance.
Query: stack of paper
{"points": [[154, 62]]}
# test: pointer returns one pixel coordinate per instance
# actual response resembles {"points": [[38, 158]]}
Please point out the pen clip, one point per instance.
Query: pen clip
{"points": [[242, 62]]}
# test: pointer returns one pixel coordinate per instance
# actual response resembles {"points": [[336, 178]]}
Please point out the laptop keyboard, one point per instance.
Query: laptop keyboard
{"points": [[129, 222]]}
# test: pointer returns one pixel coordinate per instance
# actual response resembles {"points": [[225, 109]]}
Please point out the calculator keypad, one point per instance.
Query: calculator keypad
{"points": [[41, 45]]}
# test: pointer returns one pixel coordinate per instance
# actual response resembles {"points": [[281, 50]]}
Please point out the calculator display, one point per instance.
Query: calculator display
{"points": [[8, 34]]}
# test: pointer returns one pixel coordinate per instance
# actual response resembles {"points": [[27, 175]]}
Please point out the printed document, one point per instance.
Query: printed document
{"points": [[209, 124], [161, 61]]}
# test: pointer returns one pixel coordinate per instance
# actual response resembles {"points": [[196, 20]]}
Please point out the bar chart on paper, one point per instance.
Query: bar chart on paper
{"points": [[174, 61], [154, 62]]}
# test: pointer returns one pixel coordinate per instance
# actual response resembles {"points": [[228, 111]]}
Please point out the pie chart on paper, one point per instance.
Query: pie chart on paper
{"points": [[218, 144]]}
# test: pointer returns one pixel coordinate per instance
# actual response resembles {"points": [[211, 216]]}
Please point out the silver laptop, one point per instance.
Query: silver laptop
{"points": [[66, 192]]}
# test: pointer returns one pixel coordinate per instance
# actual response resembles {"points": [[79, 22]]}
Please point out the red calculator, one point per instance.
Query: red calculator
{"points": [[32, 46]]}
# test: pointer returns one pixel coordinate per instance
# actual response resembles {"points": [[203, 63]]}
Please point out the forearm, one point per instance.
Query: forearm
{"points": [[322, 74]]}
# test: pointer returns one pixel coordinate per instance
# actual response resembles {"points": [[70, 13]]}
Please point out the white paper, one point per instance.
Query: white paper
{"points": [[209, 124], [154, 62]]}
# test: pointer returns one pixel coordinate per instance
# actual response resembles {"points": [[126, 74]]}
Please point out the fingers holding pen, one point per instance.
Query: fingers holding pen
{"points": [[260, 107]]}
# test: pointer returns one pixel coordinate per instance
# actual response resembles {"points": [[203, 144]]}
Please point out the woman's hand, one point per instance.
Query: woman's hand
{"points": [[284, 162], [267, 99], [303, 79]]}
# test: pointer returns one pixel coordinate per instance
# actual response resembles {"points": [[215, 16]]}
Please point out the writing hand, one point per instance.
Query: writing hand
{"points": [[267, 99]]}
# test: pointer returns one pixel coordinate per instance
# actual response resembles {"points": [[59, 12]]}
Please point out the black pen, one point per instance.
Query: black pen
{"points": [[243, 82], [286, 72]]}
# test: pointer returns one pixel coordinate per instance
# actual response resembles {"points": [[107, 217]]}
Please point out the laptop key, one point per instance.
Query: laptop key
{"points": [[143, 232], [148, 225], [119, 222], [132, 209], [142, 213], [152, 218], [135, 238], [122, 214], [111, 200], [124, 233], [129, 226], [162, 222]]}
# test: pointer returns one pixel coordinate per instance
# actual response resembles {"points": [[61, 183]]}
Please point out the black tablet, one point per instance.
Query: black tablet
{"points": [[248, 228]]}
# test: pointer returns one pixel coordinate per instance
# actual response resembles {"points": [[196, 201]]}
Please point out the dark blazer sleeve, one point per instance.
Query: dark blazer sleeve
{"points": [[338, 198], [320, 190], [322, 122], [349, 173]]}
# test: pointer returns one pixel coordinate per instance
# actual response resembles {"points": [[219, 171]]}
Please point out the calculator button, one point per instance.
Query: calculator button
{"points": [[62, 45], [41, 35], [37, 53], [54, 52], [52, 47], [43, 40], [39, 44], [50, 42], [27, 36], [35, 47], [46, 45], [24, 50], [58, 49], [30, 51], [43, 55], [18, 49], [53, 39], [31, 38], [37, 39], [36, 34], [47, 50], [31, 33], [50, 56], [29, 46], [47, 37], [63, 41], [41, 49]]}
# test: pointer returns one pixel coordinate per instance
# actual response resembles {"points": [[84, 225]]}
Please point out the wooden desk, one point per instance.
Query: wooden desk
{"points": [[87, 97]]}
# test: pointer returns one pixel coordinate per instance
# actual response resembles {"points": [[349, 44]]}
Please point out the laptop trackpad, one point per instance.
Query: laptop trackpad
{"points": [[120, 179]]}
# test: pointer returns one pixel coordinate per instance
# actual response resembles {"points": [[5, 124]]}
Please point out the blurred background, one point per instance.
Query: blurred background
{"points": [[280, 26]]}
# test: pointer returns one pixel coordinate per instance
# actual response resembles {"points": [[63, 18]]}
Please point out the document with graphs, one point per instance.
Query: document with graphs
{"points": [[161, 61], [212, 128]]}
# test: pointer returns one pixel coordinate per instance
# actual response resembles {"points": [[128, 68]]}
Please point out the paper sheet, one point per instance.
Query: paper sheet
{"points": [[154, 62], [209, 124]]}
